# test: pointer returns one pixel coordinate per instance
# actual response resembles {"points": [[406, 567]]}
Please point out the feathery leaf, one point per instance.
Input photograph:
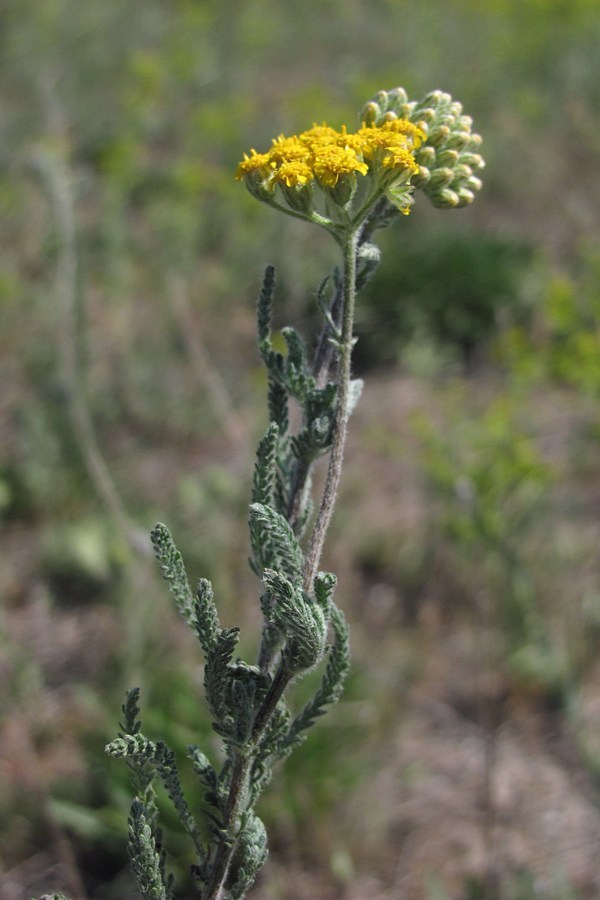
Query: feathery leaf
{"points": [[162, 757], [280, 549], [205, 617], [173, 571], [332, 683], [144, 854]]}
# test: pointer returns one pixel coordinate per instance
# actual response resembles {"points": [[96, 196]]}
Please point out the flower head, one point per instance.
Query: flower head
{"points": [[256, 162], [318, 135], [331, 160], [292, 173], [330, 163], [400, 146], [286, 149]]}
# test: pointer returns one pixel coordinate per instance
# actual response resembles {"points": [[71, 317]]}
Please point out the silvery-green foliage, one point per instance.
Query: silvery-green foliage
{"points": [[160, 756], [246, 701], [250, 855], [145, 855]]}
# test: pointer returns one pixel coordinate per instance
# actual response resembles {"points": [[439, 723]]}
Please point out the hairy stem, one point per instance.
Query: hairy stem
{"points": [[336, 457], [324, 357], [243, 761], [239, 783]]}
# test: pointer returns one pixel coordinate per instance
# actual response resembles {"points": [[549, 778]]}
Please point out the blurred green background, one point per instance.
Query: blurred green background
{"points": [[464, 759]]}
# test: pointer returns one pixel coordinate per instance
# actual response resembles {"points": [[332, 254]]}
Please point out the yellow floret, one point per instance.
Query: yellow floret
{"points": [[293, 173], [413, 133], [319, 135], [286, 149], [256, 162], [399, 158], [330, 162]]}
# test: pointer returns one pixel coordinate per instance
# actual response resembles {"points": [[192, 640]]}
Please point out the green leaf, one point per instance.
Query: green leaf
{"points": [[300, 619], [265, 468], [274, 543], [251, 854], [162, 757], [173, 571], [324, 586], [142, 772], [144, 854], [265, 309], [217, 677], [278, 405], [332, 683], [205, 617]]}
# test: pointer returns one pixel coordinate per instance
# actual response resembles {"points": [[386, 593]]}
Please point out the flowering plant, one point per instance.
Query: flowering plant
{"points": [[350, 184]]}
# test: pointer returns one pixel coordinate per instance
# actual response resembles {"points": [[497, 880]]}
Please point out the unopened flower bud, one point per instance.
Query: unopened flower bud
{"points": [[446, 199], [381, 98], [298, 197], [426, 155], [472, 159], [397, 96], [459, 139], [438, 135], [446, 119], [421, 178], [462, 172], [465, 196], [447, 158], [440, 178], [427, 114], [371, 112], [433, 98]]}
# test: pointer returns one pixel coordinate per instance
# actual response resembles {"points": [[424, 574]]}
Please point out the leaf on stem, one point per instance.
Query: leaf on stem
{"points": [[265, 468], [144, 854], [332, 683], [142, 771], [173, 571], [274, 543], [300, 619], [217, 678], [265, 310], [205, 618], [138, 746], [250, 855]]}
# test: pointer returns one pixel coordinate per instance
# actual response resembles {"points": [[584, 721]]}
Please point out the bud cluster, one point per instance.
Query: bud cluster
{"points": [[448, 157]]}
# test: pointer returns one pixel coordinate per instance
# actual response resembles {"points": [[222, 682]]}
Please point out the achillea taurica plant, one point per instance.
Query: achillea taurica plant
{"points": [[349, 183]]}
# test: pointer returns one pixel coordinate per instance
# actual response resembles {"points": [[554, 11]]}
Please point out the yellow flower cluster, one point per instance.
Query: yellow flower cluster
{"points": [[325, 155]]}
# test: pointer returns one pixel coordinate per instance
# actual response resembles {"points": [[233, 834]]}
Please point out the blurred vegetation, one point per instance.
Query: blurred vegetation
{"points": [[129, 262]]}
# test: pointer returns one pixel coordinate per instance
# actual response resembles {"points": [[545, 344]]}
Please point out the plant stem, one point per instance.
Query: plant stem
{"points": [[324, 355], [239, 782], [243, 761], [336, 457]]}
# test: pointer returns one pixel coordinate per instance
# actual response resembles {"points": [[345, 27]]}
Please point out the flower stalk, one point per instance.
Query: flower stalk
{"points": [[340, 427]]}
